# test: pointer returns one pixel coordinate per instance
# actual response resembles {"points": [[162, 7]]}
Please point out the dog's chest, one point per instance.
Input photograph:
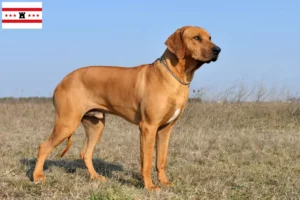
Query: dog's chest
{"points": [[176, 106], [174, 116]]}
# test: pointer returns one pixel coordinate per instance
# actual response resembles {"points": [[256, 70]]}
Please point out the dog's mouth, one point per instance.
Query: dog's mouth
{"points": [[214, 59], [207, 60]]}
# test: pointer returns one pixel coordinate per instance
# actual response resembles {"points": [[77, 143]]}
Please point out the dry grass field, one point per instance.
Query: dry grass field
{"points": [[230, 151]]}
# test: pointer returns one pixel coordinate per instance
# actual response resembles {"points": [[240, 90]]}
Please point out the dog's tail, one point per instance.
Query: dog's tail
{"points": [[68, 146]]}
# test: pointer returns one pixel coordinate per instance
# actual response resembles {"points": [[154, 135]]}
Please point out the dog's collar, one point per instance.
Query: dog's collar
{"points": [[167, 68]]}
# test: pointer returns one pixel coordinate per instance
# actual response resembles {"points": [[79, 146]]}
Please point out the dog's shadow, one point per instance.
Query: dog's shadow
{"points": [[70, 166]]}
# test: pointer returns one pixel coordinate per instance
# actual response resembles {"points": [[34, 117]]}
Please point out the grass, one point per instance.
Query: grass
{"points": [[217, 151]]}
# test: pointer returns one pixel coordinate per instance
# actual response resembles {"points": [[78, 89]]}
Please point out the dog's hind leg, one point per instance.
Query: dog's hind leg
{"points": [[83, 150], [97, 114], [62, 130], [93, 127], [67, 119]]}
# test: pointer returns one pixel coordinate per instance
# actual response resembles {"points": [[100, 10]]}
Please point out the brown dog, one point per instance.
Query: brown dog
{"points": [[153, 96]]}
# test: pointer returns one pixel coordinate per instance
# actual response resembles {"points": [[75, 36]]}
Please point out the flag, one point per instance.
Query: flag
{"points": [[22, 15]]}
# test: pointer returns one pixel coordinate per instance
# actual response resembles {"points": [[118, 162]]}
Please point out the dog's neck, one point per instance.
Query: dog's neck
{"points": [[182, 68]]}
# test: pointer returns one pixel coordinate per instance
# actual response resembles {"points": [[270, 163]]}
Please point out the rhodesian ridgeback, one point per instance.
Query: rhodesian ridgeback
{"points": [[152, 96]]}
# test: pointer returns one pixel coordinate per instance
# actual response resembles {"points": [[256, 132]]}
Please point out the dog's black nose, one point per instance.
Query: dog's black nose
{"points": [[216, 50]]}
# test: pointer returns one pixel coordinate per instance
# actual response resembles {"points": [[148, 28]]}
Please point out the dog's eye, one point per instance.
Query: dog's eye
{"points": [[197, 38], [209, 37]]}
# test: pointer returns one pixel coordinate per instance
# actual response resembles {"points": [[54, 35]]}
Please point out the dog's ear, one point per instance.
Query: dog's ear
{"points": [[175, 43]]}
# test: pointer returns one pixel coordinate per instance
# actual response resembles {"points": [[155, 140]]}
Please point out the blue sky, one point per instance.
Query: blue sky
{"points": [[260, 41]]}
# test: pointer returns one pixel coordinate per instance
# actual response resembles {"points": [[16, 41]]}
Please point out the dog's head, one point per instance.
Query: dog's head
{"points": [[193, 42]]}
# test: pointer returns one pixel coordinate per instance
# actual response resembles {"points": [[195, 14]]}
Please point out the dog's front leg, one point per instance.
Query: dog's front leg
{"points": [[162, 143], [147, 139]]}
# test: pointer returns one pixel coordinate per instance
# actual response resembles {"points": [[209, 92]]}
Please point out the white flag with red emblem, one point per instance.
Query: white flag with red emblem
{"points": [[22, 15]]}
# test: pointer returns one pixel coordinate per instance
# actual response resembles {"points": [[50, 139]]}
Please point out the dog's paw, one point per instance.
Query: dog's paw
{"points": [[98, 177], [40, 178], [152, 188], [166, 183]]}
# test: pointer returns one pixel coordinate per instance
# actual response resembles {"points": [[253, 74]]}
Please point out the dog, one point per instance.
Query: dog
{"points": [[152, 96]]}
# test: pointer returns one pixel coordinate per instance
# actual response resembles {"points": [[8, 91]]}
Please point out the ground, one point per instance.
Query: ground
{"points": [[217, 151]]}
